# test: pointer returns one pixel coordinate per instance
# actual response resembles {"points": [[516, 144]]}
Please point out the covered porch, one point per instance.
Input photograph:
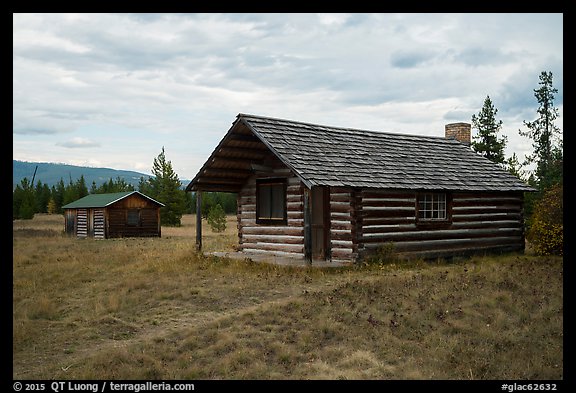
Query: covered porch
{"points": [[280, 218], [278, 260]]}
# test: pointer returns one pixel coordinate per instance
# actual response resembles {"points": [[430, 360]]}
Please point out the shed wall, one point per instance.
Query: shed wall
{"points": [[118, 223]]}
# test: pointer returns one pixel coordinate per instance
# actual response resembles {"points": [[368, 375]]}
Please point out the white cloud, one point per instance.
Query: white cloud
{"points": [[178, 80], [78, 142], [333, 19]]}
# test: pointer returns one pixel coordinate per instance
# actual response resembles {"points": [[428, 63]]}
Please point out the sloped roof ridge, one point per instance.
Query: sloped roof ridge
{"points": [[434, 138], [105, 199]]}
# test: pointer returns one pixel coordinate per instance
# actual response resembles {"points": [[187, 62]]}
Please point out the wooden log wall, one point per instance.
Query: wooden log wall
{"points": [[480, 222], [117, 223], [343, 244], [282, 240]]}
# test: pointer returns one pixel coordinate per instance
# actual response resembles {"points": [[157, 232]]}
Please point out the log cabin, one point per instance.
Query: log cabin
{"points": [[120, 214], [325, 193]]}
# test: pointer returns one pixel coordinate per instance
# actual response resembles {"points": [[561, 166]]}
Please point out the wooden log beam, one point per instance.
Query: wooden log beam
{"points": [[234, 161], [280, 239], [469, 243], [219, 180], [227, 172], [199, 220], [243, 138], [293, 248], [216, 187], [242, 151], [272, 230]]}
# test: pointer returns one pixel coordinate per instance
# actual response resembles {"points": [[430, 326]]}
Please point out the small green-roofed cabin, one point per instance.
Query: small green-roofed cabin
{"points": [[119, 214]]}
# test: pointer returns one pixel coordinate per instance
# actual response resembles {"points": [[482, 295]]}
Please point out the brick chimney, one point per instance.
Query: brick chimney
{"points": [[459, 131]]}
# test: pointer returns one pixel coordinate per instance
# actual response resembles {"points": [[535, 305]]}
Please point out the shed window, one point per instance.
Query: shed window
{"points": [[133, 218], [432, 207], [271, 201]]}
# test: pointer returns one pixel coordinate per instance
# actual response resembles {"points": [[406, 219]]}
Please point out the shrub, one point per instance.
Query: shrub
{"points": [[384, 254], [546, 233], [217, 218]]}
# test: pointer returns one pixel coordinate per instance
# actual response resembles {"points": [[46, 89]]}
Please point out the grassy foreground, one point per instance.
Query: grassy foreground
{"points": [[155, 309]]}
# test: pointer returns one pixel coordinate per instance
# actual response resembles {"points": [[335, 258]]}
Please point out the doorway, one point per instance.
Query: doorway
{"points": [[320, 222]]}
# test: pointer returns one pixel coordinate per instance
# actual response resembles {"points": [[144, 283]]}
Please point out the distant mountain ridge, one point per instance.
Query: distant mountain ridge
{"points": [[51, 173]]}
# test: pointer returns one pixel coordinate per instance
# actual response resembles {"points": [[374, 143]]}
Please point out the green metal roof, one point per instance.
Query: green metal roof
{"points": [[103, 200]]}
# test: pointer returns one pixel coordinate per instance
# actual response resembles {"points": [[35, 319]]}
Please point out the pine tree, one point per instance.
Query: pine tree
{"points": [[41, 196], [145, 187], [75, 190], [58, 192], [217, 218], [486, 142], [548, 155], [165, 187], [81, 188], [23, 204], [119, 185], [514, 166]]}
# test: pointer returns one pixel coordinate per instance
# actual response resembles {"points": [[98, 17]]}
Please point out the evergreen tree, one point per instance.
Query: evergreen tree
{"points": [[75, 190], [81, 188], [41, 196], [217, 218], [145, 187], [486, 142], [514, 166], [165, 187], [23, 204], [189, 202], [110, 186], [209, 199], [547, 155], [58, 195], [17, 199], [207, 203]]}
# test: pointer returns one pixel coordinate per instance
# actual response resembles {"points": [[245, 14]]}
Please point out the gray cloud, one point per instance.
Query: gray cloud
{"points": [[479, 56], [410, 59], [75, 143], [169, 76]]}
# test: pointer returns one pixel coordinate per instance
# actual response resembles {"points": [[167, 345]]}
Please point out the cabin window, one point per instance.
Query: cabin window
{"points": [[133, 218], [432, 207], [271, 201]]}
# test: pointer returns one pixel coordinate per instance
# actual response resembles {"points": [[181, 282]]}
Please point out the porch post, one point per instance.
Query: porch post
{"points": [[307, 227], [198, 220]]}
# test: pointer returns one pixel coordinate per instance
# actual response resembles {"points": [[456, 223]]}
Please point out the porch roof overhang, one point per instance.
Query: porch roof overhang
{"points": [[240, 154]]}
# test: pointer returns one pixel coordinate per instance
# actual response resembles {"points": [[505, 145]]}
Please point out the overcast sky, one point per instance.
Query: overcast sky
{"points": [[109, 90]]}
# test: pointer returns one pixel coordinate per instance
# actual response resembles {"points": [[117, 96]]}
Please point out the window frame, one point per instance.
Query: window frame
{"points": [[268, 182], [431, 221], [137, 213]]}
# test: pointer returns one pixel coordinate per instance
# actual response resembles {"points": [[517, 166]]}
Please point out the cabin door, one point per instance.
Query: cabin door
{"points": [[320, 222], [70, 219]]}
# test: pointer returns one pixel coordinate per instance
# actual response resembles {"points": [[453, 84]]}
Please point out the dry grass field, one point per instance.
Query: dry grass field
{"points": [[155, 309]]}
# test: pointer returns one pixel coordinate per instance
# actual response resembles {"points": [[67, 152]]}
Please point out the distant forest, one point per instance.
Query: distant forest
{"points": [[33, 195], [51, 173]]}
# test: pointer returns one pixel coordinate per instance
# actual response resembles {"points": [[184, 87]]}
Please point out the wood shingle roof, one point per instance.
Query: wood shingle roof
{"points": [[332, 156]]}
